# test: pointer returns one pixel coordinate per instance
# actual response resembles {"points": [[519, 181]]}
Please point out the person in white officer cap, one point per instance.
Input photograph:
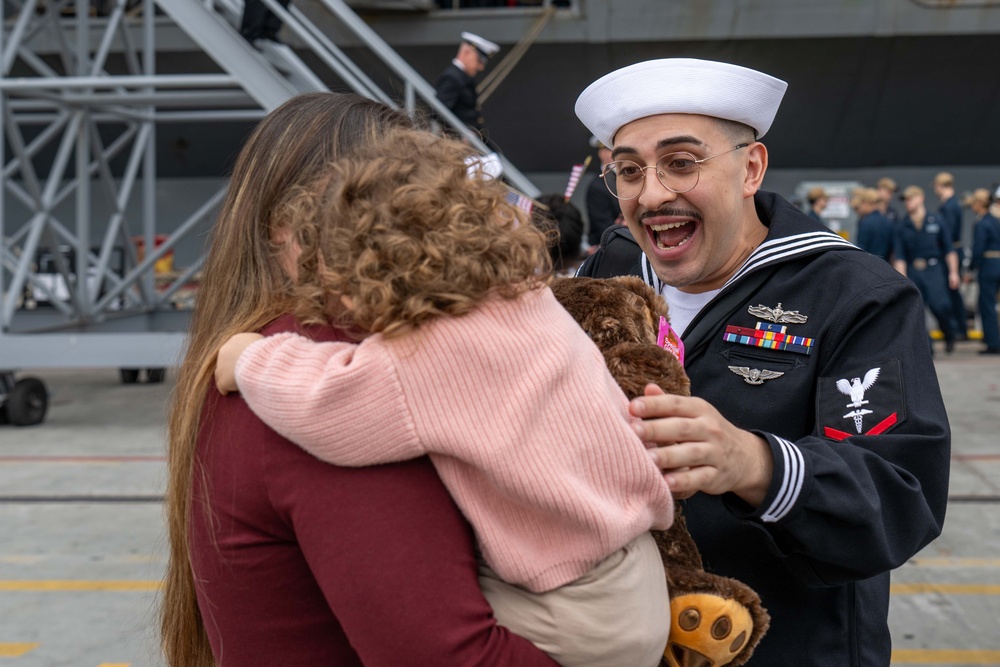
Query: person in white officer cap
{"points": [[813, 456], [456, 85]]}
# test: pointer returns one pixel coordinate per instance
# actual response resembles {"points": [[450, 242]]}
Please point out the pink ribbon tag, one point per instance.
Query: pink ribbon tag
{"points": [[670, 341]]}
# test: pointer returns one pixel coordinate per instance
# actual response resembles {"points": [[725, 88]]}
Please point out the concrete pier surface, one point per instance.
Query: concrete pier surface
{"points": [[83, 546]]}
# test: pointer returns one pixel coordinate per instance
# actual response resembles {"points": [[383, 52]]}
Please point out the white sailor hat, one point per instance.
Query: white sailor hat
{"points": [[679, 85], [484, 46]]}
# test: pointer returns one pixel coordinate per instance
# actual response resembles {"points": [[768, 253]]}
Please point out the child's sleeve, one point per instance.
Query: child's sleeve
{"points": [[341, 402]]}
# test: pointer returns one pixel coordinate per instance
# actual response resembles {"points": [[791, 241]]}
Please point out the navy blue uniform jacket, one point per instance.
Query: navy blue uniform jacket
{"points": [[857, 429], [457, 91], [875, 234]]}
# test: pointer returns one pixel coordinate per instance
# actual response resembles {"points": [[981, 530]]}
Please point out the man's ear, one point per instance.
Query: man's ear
{"points": [[756, 166]]}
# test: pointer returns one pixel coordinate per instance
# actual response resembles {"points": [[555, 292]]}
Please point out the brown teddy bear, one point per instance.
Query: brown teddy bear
{"points": [[715, 620]]}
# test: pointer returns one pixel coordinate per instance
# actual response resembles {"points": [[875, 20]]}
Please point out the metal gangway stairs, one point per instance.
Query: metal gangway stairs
{"points": [[81, 98]]}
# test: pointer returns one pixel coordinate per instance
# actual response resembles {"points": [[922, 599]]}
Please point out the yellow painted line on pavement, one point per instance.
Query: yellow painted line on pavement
{"points": [[71, 585], [139, 585], [143, 558], [20, 560], [920, 656], [952, 589], [975, 334], [13, 650], [956, 562]]}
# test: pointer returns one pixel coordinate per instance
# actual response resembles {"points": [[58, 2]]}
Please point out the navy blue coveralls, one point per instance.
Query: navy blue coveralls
{"points": [[986, 258], [951, 211], [875, 232], [924, 251]]}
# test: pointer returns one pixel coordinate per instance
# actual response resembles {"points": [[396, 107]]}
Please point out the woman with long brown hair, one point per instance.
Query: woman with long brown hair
{"points": [[275, 557], [466, 355]]}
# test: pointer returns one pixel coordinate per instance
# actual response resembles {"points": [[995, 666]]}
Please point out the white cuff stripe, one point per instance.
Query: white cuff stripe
{"points": [[791, 483]]}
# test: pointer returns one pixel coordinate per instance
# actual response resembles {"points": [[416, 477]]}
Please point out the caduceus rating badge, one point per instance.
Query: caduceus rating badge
{"points": [[876, 405], [856, 389]]}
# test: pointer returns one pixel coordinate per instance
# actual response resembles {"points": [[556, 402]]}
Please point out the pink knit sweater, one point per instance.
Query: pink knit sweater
{"points": [[513, 403]]}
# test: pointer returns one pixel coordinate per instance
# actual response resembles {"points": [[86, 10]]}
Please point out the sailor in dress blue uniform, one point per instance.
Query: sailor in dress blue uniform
{"points": [[456, 85], [923, 252], [986, 261], [806, 356]]}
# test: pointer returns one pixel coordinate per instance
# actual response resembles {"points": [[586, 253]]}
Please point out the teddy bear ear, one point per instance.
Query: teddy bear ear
{"points": [[575, 294], [657, 304]]}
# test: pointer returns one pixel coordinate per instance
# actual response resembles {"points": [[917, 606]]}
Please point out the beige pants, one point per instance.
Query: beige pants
{"points": [[616, 615]]}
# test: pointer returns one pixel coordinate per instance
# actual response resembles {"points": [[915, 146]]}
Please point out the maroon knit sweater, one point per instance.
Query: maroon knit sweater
{"points": [[305, 563]]}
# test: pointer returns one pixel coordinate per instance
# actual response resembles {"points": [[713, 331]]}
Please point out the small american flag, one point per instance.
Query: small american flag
{"points": [[517, 199], [574, 177]]}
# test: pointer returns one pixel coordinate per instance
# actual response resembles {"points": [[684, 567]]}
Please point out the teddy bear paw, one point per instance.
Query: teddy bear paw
{"points": [[707, 631]]}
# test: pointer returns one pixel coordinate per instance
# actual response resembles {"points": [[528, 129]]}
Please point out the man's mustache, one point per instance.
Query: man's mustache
{"points": [[672, 211]]}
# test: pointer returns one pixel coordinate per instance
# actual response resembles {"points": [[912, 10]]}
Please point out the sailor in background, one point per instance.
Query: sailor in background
{"points": [[603, 210], [456, 85], [875, 230], [887, 192], [951, 213], [922, 251], [818, 199], [986, 261], [259, 22]]}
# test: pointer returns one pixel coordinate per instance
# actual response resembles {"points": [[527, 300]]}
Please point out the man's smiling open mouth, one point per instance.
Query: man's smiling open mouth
{"points": [[671, 235]]}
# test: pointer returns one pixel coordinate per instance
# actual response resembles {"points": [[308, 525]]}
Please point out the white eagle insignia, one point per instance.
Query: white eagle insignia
{"points": [[856, 389]]}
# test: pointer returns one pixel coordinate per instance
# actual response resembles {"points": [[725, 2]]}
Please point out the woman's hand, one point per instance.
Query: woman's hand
{"points": [[225, 362]]}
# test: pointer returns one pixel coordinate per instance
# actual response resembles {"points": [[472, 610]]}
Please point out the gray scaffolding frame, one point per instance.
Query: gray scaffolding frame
{"points": [[69, 102]]}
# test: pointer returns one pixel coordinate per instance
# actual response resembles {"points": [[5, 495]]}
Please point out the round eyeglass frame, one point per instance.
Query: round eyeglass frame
{"points": [[608, 169]]}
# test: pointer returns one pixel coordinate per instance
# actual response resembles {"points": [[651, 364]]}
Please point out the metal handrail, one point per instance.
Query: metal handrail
{"points": [[416, 85]]}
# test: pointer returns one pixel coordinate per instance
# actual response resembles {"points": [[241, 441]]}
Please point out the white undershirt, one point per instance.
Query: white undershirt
{"points": [[684, 306]]}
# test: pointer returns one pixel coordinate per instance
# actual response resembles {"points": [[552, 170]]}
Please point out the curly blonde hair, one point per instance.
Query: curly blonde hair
{"points": [[403, 231]]}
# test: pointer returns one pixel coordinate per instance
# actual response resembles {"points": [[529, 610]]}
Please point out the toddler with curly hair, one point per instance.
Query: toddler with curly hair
{"points": [[463, 354]]}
